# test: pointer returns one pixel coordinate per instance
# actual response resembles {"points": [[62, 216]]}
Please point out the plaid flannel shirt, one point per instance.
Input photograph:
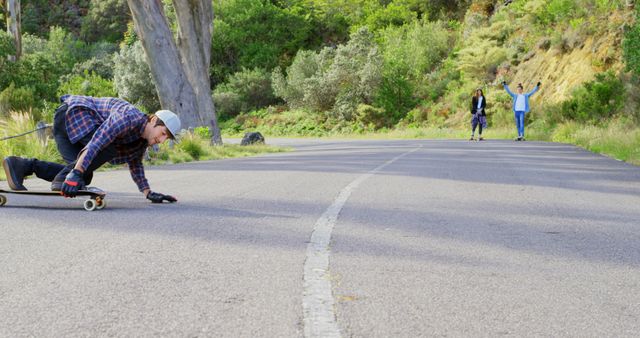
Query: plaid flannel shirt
{"points": [[115, 121]]}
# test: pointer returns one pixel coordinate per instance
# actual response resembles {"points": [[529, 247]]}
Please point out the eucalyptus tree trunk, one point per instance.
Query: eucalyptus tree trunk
{"points": [[13, 26], [180, 69], [195, 29]]}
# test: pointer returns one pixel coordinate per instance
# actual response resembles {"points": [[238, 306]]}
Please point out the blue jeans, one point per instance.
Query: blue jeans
{"points": [[520, 122]]}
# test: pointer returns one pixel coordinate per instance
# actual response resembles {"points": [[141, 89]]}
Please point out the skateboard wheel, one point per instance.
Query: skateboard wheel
{"points": [[3, 200], [90, 205], [101, 205]]}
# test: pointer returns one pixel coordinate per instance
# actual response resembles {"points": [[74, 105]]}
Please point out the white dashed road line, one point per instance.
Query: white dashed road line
{"points": [[317, 300]]}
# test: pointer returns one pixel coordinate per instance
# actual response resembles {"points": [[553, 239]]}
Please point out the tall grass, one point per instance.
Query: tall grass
{"points": [[617, 139], [191, 147], [29, 145]]}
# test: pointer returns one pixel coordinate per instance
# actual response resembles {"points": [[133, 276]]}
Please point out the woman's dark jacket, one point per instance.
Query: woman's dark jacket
{"points": [[474, 105]]}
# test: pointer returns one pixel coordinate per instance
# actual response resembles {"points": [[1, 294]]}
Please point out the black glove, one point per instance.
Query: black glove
{"points": [[504, 83], [72, 183], [539, 83], [155, 197]]}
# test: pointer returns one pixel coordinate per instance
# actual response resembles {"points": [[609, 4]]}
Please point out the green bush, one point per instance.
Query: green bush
{"points": [[435, 84], [228, 104], [244, 91], [557, 11], [304, 67], [100, 61], [193, 146], [397, 13], [38, 72], [105, 20], [418, 46], [333, 81], [371, 117], [395, 94], [89, 84], [203, 132], [64, 49], [594, 101], [132, 77], [500, 113], [256, 33], [15, 98], [6, 46]]}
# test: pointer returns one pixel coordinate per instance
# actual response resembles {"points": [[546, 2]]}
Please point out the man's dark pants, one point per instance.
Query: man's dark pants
{"points": [[54, 171]]}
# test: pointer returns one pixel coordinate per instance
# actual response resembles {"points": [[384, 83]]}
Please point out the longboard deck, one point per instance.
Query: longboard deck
{"points": [[96, 200], [90, 191]]}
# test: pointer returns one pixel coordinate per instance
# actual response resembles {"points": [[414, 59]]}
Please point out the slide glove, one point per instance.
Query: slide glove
{"points": [[539, 83], [72, 183], [155, 197]]}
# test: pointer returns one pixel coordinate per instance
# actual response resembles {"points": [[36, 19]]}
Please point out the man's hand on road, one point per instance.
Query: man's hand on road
{"points": [[155, 197]]}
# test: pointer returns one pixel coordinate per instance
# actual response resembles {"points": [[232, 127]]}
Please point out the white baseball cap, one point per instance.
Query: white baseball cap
{"points": [[170, 120]]}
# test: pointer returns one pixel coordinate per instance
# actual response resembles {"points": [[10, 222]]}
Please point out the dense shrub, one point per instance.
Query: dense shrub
{"points": [[594, 101], [435, 84], [395, 13], [244, 91], [89, 84], [410, 52], [304, 67], [100, 60], [193, 146], [15, 98], [64, 49], [372, 117], [43, 63], [38, 72], [333, 81], [418, 46], [631, 46], [255, 33], [228, 104], [39, 15], [6, 46], [557, 11], [105, 20], [132, 77], [395, 94]]}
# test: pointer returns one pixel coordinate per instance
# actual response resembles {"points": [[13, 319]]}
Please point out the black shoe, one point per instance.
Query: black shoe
{"points": [[16, 168], [56, 184]]}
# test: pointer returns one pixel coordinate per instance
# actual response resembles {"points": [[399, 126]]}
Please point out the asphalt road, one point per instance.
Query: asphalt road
{"points": [[338, 238]]}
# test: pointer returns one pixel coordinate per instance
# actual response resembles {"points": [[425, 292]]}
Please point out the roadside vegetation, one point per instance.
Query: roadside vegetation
{"points": [[350, 68]]}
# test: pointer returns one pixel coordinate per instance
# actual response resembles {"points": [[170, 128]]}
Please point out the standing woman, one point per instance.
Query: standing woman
{"points": [[520, 106], [479, 116]]}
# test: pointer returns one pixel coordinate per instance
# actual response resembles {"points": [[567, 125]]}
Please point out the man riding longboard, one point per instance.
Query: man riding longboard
{"points": [[91, 131]]}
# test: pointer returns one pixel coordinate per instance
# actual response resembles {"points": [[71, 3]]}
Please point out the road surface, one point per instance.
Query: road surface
{"points": [[337, 238]]}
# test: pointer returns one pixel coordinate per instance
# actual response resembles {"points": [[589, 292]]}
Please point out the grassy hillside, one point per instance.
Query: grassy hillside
{"points": [[574, 47]]}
